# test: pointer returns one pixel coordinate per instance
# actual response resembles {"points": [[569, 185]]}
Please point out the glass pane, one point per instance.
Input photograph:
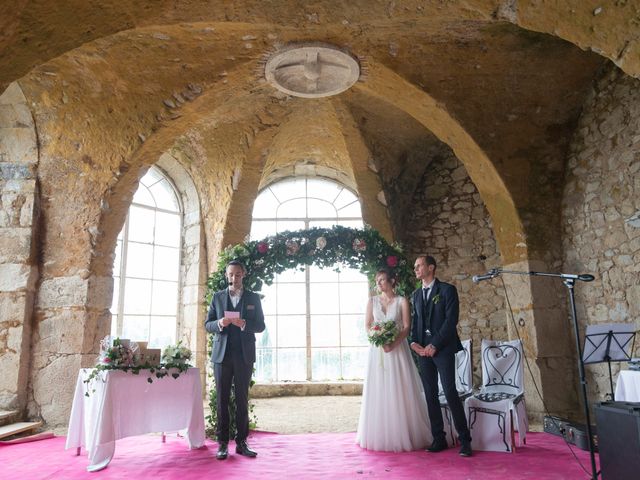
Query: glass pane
{"points": [[325, 364], [165, 196], [325, 331], [260, 230], [143, 197], [115, 298], [269, 299], [165, 298], [265, 365], [288, 189], [352, 210], [291, 298], [137, 296], [267, 338], [167, 229], [324, 298], [293, 275], [322, 223], [353, 362], [265, 205], [117, 258], [352, 330], [282, 226], [317, 188], [141, 221], [166, 263], [114, 325], [292, 331], [320, 209], [139, 260], [152, 176], [345, 198], [353, 297], [317, 274], [351, 223], [292, 364], [352, 275], [163, 332], [135, 327], [292, 209]]}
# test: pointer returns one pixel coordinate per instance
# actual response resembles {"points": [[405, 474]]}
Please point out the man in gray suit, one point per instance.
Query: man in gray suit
{"points": [[234, 353]]}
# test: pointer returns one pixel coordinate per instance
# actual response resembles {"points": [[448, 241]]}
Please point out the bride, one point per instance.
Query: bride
{"points": [[393, 416]]}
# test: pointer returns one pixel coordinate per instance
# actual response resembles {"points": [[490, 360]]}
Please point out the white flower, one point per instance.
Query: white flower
{"points": [[321, 242]]}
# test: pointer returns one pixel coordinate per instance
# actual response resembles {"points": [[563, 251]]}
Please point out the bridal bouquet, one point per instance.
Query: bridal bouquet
{"points": [[176, 354], [382, 333]]}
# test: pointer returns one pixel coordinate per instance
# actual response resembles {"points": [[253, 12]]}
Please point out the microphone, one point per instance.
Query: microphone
{"points": [[494, 272]]}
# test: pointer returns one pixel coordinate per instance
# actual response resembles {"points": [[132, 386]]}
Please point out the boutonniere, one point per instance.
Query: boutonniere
{"points": [[436, 298]]}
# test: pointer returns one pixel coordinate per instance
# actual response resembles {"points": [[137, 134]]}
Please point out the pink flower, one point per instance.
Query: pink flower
{"points": [[376, 327], [263, 247], [359, 245], [392, 261], [106, 360]]}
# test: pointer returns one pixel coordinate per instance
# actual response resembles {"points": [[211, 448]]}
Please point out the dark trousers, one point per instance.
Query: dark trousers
{"points": [[445, 364], [232, 370]]}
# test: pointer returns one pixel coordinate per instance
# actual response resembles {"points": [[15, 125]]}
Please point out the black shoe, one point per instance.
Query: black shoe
{"points": [[243, 449], [465, 449], [438, 446], [223, 450]]}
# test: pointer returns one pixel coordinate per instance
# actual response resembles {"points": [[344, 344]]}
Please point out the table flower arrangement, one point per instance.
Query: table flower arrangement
{"points": [[121, 354], [382, 333], [176, 354]]}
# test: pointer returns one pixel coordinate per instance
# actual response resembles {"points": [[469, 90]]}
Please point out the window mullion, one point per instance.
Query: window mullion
{"points": [[307, 281], [123, 273]]}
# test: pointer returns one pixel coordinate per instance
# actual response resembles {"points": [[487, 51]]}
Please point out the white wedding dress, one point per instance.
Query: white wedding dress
{"points": [[393, 416]]}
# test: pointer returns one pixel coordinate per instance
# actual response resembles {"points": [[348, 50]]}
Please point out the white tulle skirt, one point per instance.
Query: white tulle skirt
{"points": [[393, 416]]}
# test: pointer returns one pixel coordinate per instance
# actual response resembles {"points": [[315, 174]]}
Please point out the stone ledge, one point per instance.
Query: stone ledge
{"points": [[303, 389]]}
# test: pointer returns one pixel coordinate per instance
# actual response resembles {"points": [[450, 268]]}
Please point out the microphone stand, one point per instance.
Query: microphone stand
{"points": [[569, 280]]}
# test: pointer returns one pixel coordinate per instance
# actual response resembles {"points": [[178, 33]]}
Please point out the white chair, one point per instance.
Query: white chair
{"points": [[499, 409], [464, 385]]}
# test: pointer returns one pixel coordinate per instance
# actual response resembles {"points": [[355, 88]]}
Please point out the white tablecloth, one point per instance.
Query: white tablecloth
{"points": [[628, 386], [125, 404]]}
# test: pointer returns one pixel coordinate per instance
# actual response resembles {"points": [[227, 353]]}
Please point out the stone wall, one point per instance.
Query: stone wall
{"points": [[446, 218], [601, 212], [18, 228]]}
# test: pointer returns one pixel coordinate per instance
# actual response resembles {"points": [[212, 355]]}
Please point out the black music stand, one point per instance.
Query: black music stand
{"points": [[611, 342]]}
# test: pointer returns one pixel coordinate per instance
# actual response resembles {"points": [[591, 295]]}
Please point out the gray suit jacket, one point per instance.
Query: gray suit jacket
{"points": [[250, 310]]}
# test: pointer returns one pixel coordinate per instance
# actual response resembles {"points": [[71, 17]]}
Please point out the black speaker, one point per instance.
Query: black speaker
{"points": [[619, 439]]}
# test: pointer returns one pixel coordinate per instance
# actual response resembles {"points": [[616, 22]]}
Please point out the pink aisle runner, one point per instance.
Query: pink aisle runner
{"points": [[324, 455]]}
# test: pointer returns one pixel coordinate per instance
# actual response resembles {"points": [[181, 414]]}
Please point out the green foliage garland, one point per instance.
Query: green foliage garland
{"points": [[363, 249]]}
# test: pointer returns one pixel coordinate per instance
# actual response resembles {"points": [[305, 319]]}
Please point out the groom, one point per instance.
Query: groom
{"points": [[434, 338], [235, 316]]}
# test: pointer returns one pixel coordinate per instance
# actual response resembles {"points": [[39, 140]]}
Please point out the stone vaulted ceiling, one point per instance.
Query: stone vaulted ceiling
{"points": [[116, 84]]}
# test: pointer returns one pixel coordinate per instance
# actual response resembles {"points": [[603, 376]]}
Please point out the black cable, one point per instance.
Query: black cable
{"points": [[526, 360]]}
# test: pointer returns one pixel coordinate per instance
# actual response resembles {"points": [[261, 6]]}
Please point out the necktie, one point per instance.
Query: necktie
{"points": [[425, 310], [425, 295]]}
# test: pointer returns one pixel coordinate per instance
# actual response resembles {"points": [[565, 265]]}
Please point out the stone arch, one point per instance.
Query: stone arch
{"points": [[390, 87]]}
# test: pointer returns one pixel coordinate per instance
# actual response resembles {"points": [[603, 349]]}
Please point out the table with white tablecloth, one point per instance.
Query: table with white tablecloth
{"points": [[628, 386], [122, 404]]}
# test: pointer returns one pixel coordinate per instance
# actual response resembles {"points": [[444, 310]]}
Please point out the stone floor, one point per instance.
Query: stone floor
{"points": [[314, 414]]}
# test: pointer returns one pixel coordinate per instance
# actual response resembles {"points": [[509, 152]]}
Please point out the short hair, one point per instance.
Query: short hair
{"points": [[237, 263], [429, 260], [390, 274]]}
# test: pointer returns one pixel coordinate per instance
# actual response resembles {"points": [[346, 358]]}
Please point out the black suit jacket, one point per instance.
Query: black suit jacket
{"points": [[250, 310], [443, 307]]}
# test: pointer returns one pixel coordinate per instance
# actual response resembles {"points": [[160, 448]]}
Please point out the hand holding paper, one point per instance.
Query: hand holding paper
{"points": [[234, 317]]}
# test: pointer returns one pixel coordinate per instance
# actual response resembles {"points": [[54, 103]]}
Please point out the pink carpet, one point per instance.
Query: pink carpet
{"points": [[325, 455]]}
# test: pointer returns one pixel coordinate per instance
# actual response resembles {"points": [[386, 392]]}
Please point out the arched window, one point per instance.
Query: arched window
{"points": [[146, 268], [315, 317]]}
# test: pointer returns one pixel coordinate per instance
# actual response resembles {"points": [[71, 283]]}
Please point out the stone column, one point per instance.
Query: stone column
{"points": [[18, 223]]}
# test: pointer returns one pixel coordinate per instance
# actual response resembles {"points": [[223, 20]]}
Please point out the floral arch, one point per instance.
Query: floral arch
{"points": [[363, 249]]}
